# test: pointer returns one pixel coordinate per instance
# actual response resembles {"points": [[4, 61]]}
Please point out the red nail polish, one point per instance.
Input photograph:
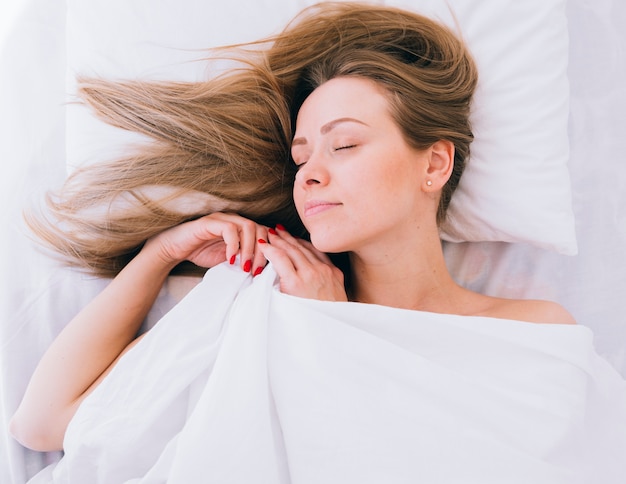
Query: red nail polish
{"points": [[247, 266], [272, 231], [257, 271], [232, 259], [281, 227], [261, 241]]}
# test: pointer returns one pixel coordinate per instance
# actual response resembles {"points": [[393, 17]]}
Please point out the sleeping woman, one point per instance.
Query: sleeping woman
{"points": [[322, 169]]}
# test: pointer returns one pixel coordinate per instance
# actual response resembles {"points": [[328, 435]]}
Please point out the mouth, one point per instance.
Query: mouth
{"points": [[314, 207]]}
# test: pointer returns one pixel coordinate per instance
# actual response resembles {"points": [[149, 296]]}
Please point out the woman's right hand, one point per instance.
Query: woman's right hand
{"points": [[210, 240]]}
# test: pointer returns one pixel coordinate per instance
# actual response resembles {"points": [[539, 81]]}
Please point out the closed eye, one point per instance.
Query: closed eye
{"points": [[344, 147]]}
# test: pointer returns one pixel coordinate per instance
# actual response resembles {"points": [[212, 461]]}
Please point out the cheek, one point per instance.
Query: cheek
{"points": [[377, 183]]}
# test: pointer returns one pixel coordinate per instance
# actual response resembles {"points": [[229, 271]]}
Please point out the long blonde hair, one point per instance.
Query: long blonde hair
{"points": [[224, 144]]}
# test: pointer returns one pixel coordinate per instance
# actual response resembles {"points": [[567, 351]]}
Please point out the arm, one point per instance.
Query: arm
{"points": [[88, 347]]}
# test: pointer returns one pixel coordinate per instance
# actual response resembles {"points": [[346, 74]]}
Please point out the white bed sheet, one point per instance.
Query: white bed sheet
{"points": [[37, 297]]}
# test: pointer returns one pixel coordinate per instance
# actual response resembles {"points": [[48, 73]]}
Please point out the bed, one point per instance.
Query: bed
{"points": [[560, 233]]}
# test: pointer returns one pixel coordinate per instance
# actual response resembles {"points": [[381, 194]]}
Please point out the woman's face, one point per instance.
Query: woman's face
{"points": [[358, 181]]}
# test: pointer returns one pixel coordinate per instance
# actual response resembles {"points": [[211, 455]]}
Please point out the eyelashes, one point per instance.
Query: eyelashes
{"points": [[346, 147], [334, 150]]}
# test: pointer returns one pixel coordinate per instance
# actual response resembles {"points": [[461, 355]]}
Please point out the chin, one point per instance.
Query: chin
{"points": [[325, 242]]}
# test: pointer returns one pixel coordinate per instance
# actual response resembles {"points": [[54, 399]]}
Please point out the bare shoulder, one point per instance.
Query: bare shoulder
{"points": [[531, 310]]}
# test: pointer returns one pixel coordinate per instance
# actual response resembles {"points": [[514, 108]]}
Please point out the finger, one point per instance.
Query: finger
{"points": [[215, 226], [238, 234], [259, 261], [285, 235], [281, 262], [299, 277], [300, 253], [246, 233], [282, 232], [247, 243], [322, 256]]}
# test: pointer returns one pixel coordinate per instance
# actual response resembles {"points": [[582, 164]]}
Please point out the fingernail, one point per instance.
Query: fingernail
{"points": [[247, 266], [272, 231], [261, 241], [281, 227], [257, 271], [232, 259]]}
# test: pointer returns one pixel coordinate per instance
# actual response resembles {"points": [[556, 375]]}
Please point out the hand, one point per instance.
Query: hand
{"points": [[303, 270], [210, 240]]}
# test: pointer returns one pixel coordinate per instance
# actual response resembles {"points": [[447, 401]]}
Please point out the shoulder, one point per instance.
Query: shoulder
{"points": [[531, 310]]}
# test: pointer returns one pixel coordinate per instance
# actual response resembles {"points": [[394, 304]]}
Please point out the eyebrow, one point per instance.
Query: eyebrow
{"points": [[327, 128]]}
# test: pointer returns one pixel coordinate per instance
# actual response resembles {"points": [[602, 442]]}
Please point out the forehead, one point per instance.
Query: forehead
{"points": [[343, 97]]}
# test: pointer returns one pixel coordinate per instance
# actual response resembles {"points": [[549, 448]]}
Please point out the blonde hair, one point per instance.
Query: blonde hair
{"points": [[224, 144]]}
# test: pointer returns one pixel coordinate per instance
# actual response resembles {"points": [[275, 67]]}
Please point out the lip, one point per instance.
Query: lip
{"points": [[313, 207]]}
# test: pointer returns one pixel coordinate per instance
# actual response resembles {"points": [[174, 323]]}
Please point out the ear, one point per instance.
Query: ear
{"points": [[439, 165]]}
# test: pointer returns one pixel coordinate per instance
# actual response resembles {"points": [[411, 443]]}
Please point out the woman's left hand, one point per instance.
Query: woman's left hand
{"points": [[303, 270]]}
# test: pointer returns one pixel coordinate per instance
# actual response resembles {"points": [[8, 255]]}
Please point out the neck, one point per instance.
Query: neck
{"points": [[412, 277]]}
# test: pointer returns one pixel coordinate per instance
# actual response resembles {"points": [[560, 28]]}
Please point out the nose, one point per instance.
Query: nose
{"points": [[313, 172]]}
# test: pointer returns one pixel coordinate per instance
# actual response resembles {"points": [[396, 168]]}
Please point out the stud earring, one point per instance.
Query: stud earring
{"points": [[429, 183]]}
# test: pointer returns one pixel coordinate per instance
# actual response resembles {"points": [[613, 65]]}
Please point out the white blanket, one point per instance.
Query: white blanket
{"points": [[242, 384]]}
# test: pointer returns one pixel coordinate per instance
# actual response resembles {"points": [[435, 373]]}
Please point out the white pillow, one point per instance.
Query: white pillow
{"points": [[516, 187]]}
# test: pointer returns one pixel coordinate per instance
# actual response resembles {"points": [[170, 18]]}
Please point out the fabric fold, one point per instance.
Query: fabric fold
{"points": [[240, 383], [401, 401]]}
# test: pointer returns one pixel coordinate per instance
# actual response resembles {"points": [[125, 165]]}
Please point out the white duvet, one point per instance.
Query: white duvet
{"points": [[242, 384]]}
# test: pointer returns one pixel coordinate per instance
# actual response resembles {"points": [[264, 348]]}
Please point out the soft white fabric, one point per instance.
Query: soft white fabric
{"points": [[516, 187], [240, 383]]}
